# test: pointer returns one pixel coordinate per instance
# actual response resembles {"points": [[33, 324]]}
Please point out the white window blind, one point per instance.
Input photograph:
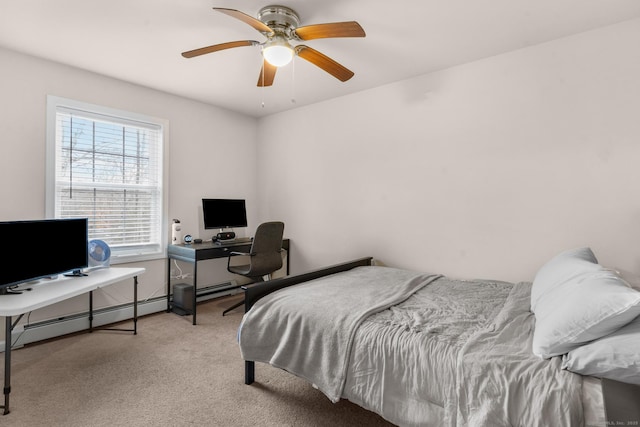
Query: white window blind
{"points": [[108, 167]]}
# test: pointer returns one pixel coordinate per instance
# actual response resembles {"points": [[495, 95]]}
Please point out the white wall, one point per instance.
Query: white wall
{"points": [[484, 170], [200, 136]]}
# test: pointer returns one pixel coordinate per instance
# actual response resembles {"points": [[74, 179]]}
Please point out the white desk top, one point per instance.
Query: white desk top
{"points": [[47, 292]]}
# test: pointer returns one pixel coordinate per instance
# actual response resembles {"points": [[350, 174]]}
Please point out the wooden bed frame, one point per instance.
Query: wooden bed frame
{"points": [[621, 400]]}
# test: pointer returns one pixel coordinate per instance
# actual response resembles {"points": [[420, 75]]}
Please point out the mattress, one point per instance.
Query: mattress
{"points": [[450, 352]]}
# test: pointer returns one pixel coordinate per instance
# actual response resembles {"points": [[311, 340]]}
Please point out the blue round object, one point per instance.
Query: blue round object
{"points": [[99, 250]]}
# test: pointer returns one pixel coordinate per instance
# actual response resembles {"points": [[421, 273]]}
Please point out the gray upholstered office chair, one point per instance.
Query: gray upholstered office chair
{"points": [[263, 259]]}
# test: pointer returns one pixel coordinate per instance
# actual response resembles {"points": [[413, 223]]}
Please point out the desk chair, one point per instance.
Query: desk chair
{"points": [[263, 259]]}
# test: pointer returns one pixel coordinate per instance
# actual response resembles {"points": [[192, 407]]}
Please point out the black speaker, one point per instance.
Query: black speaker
{"points": [[227, 235]]}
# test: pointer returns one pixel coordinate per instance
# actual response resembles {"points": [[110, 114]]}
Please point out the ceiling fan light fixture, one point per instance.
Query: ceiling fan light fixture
{"points": [[278, 52]]}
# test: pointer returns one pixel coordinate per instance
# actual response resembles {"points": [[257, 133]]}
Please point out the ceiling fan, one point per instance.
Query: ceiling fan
{"points": [[280, 25]]}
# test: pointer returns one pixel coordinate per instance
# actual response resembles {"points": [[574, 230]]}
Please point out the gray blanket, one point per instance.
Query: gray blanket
{"points": [[313, 341]]}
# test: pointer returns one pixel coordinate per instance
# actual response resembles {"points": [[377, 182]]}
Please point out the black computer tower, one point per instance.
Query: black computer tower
{"points": [[183, 299]]}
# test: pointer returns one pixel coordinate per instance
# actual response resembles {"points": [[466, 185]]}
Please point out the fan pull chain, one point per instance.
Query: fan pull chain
{"points": [[262, 87], [262, 77], [293, 81]]}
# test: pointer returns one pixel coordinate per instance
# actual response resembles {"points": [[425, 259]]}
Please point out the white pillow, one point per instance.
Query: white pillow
{"points": [[559, 269], [584, 308], [616, 356]]}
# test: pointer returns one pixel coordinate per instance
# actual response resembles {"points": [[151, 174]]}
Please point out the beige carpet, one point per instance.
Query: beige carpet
{"points": [[172, 373]]}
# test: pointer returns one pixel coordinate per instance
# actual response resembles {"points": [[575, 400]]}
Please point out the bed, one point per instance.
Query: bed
{"points": [[422, 349]]}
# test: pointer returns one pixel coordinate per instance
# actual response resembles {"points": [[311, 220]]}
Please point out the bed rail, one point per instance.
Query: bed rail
{"points": [[254, 292]]}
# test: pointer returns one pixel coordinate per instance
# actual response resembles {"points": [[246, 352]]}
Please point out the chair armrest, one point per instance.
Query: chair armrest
{"points": [[235, 253]]}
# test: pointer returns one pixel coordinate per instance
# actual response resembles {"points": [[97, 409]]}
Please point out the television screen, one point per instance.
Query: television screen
{"points": [[224, 213], [42, 248]]}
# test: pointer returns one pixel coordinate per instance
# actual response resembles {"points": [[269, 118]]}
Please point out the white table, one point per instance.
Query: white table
{"points": [[48, 292]]}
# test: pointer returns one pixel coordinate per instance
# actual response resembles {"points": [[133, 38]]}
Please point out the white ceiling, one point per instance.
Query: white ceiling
{"points": [[140, 41]]}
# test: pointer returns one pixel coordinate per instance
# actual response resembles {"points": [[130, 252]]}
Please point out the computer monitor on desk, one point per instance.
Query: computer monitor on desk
{"points": [[223, 215]]}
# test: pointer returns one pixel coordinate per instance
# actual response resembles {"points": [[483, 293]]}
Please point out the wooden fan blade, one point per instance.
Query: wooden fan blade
{"points": [[267, 74], [327, 64], [258, 25], [217, 47], [335, 29]]}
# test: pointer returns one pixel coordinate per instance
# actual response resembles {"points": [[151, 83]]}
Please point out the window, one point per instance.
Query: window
{"points": [[107, 165]]}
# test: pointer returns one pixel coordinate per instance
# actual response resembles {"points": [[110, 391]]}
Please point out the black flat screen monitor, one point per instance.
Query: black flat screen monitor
{"points": [[224, 213], [42, 248]]}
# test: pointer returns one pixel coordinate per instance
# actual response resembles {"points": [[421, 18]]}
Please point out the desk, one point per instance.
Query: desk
{"points": [[52, 291], [195, 252]]}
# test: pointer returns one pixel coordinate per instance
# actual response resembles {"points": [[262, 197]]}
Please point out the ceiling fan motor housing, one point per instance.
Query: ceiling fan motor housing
{"points": [[281, 19]]}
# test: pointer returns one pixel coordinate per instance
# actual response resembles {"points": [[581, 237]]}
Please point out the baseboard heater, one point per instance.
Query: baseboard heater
{"points": [[38, 331]]}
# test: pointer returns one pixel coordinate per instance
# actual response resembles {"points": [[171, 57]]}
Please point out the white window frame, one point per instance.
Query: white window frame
{"points": [[119, 253]]}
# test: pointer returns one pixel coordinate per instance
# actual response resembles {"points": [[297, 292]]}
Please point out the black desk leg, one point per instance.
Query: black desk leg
{"points": [[7, 364], [135, 305], [195, 285], [135, 312], [168, 284], [90, 311]]}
